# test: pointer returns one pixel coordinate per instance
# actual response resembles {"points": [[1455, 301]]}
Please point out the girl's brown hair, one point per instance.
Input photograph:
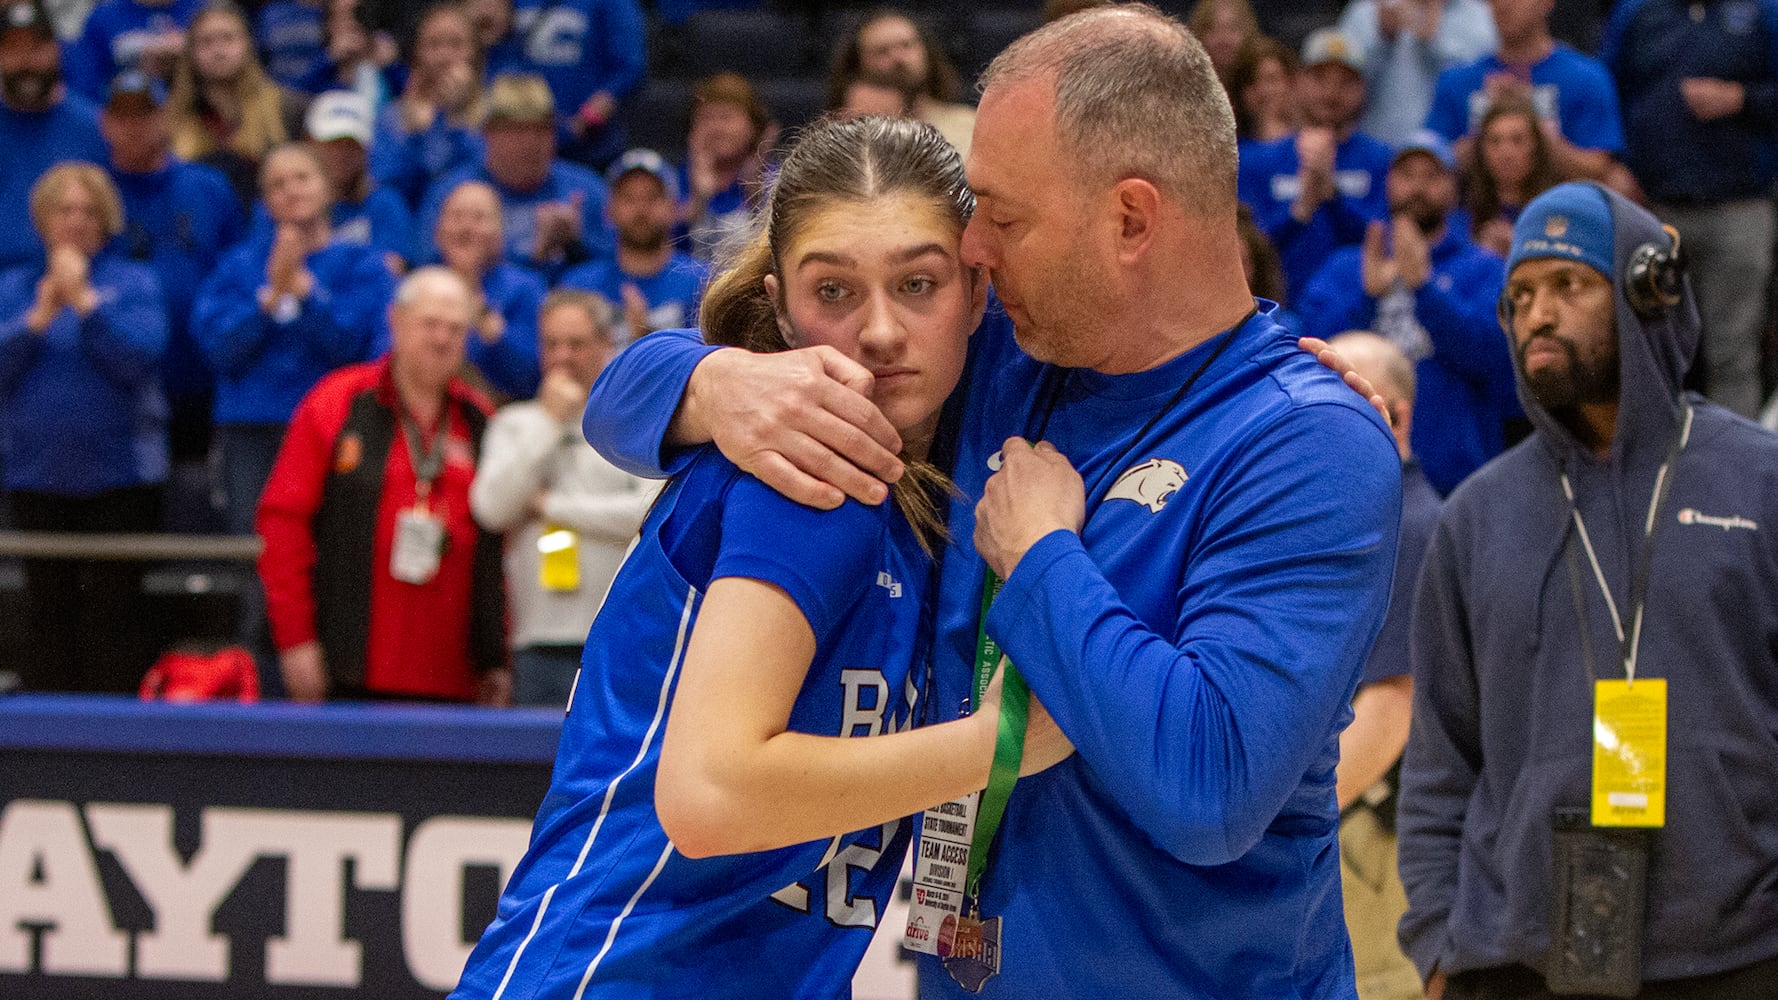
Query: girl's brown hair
{"points": [[1484, 190], [832, 162], [261, 124]]}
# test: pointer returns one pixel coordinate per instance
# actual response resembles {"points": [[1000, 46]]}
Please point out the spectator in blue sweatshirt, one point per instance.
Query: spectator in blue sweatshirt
{"points": [[128, 34], [1421, 284], [435, 126], [179, 218], [364, 212], [653, 286], [592, 54], [552, 211], [289, 36], [278, 313], [1315, 191], [1699, 88], [41, 122], [81, 336], [502, 346], [1572, 91]]}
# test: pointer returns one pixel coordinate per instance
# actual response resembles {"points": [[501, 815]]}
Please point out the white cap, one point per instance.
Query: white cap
{"points": [[340, 114]]}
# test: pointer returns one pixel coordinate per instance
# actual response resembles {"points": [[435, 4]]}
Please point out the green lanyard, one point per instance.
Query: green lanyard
{"points": [[1009, 740]]}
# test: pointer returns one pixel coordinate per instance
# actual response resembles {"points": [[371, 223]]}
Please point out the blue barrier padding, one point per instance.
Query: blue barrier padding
{"points": [[355, 731]]}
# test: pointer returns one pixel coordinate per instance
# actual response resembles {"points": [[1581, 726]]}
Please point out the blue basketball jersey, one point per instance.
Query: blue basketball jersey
{"points": [[602, 905]]}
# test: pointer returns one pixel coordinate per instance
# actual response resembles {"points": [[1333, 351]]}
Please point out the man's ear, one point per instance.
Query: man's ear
{"points": [[775, 292], [1137, 203]]}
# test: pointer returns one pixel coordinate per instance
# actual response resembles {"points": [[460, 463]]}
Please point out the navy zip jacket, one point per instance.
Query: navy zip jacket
{"points": [[1650, 46], [1503, 704]]}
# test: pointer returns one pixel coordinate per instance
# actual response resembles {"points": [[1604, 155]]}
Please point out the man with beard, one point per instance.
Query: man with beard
{"points": [[1419, 282], [656, 287], [41, 123], [1590, 793]]}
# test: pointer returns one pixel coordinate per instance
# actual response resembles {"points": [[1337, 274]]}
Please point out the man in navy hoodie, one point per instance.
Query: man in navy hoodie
{"points": [[1623, 557]]}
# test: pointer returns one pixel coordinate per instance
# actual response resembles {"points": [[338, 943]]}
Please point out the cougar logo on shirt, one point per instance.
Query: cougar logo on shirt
{"points": [[1150, 484]]}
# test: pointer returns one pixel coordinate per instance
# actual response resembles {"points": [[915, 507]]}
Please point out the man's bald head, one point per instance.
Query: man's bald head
{"points": [[1390, 373]]}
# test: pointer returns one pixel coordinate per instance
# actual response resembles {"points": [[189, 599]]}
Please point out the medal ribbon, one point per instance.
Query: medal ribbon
{"points": [[1009, 739]]}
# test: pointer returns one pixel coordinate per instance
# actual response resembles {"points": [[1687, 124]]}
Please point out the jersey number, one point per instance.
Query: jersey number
{"points": [[843, 909]]}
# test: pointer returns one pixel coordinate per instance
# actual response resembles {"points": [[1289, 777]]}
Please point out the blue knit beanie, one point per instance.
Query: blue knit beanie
{"points": [[1569, 221]]}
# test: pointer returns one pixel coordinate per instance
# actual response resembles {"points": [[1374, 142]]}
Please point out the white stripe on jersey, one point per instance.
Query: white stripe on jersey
{"points": [[611, 935], [660, 713]]}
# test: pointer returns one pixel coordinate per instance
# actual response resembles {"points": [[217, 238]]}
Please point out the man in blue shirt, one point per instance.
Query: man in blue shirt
{"points": [[128, 34], [41, 122], [592, 53], [653, 286], [1193, 605], [553, 212], [1699, 85], [1420, 283], [179, 218], [1573, 92], [1315, 191]]}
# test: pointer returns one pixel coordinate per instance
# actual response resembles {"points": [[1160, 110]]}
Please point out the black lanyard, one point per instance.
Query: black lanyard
{"points": [[1055, 378]]}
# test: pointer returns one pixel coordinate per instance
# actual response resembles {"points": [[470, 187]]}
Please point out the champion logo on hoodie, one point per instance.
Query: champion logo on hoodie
{"points": [[1695, 517]]}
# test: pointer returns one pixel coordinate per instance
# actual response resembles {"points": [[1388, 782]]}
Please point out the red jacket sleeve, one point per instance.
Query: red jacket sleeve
{"points": [[286, 517]]}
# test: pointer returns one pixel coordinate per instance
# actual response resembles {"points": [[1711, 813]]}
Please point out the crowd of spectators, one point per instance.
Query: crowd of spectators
{"points": [[263, 180]]}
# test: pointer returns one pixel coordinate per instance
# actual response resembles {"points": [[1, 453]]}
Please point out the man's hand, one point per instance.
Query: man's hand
{"points": [[594, 112], [1710, 98], [494, 689], [558, 224], [1391, 18], [305, 672], [1429, 13], [1435, 986], [1496, 235], [1502, 83], [1332, 361], [1315, 151], [1376, 266], [801, 421], [1035, 492], [635, 310], [561, 397], [1413, 258]]}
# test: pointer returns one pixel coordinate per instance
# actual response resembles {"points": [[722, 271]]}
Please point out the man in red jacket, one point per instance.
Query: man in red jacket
{"points": [[378, 582]]}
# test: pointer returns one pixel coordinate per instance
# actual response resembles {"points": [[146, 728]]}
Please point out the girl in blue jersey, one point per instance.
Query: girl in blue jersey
{"points": [[726, 816]]}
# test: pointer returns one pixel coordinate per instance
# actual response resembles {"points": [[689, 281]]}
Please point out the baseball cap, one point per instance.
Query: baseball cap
{"points": [[1330, 45], [521, 99], [340, 114], [1429, 142], [1570, 221], [28, 15], [135, 89], [646, 161]]}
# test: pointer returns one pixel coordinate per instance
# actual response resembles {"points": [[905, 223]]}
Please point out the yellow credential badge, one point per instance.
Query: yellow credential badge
{"points": [[1630, 752]]}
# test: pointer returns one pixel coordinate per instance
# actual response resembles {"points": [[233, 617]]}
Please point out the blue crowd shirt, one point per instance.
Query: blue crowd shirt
{"points": [[1571, 89], [1268, 184], [673, 292], [34, 141]]}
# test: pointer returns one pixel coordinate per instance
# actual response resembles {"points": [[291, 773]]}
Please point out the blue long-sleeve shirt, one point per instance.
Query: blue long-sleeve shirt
{"points": [[1269, 185], [380, 219], [1569, 88], [263, 365], [518, 214], [1464, 391], [1652, 45], [81, 406], [582, 47], [179, 220], [291, 39], [1199, 643], [114, 36], [409, 162], [33, 142]]}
